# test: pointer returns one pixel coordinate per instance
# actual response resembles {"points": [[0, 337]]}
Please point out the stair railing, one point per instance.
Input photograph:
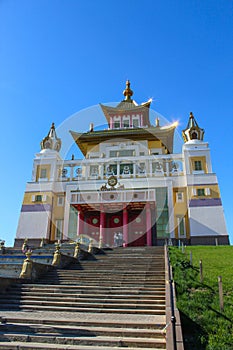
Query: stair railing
{"points": [[170, 294]]}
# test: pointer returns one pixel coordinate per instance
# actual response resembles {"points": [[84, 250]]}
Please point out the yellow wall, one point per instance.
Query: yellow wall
{"points": [[180, 209], [58, 213], [214, 191], [39, 168], [52, 199], [203, 163], [28, 197]]}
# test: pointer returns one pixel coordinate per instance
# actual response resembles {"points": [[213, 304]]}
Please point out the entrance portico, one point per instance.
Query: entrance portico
{"points": [[133, 220]]}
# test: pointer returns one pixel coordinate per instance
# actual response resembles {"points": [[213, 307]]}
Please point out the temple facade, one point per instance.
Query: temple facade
{"points": [[129, 188]]}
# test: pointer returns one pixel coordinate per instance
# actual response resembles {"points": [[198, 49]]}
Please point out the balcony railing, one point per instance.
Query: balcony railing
{"points": [[132, 167], [113, 196]]}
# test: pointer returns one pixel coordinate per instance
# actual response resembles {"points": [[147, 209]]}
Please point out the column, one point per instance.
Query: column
{"points": [[148, 225], [71, 172], [102, 226], [167, 168], [80, 223], [86, 171], [171, 221], [118, 169], [125, 227], [150, 168], [134, 169], [101, 170]]}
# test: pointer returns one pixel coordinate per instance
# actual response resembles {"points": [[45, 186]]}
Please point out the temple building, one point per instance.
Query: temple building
{"points": [[129, 188]]}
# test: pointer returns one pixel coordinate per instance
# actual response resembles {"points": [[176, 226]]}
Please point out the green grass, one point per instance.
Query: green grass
{"points": [[204, 326]]}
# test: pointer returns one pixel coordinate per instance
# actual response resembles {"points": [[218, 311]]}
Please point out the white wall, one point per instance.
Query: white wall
{"points": [[207, 221], [33, 225]]}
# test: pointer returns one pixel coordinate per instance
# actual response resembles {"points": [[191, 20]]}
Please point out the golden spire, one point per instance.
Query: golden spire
{"points": [[128, 92]]}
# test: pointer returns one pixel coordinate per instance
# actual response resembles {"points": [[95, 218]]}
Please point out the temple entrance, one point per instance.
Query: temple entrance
{"points": [[133, 225], [137, 229]]}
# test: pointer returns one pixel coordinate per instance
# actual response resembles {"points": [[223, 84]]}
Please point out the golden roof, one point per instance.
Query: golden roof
{"points": [[128, 105], [91, 138]]}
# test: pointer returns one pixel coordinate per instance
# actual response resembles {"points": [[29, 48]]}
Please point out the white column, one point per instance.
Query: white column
{"points": [[171, 221], [118, 169], [102, 170], [150, 167], [66, 213], [71, 173], [86, 171], [134, 169], [167, 167]]}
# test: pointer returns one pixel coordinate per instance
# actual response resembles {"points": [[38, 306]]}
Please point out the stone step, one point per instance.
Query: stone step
{"points": [[81, 320], [73, 299], [154, 294], [160, 343], [107, 283], [83, 295], [119, 275], [91, 304], [81, 330], [43, 346], [39, 307], [116, 300], [107, 272], [39, 288]]}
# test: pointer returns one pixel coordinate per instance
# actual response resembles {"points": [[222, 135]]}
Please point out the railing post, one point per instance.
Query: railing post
{"points": [[201, 271], [57, 255], [220, 293], [76, 250], [90, 247], [27, 266], [172, 306]]}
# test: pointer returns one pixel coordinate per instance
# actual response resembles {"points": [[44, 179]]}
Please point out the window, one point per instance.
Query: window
{"points": [[59, 229], [121, 153], [113, 154], [181, 226], [197, 165], [126, 123], [43, 173], [117, 124], [179, 196], [38, 198], [60, 201], [200, 192], [141, 168], [94, 170], [135, 123], [126, 153], [111, 169], [126, 169]]}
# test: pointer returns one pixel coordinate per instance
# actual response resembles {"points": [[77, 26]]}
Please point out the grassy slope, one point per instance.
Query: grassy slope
{"points": [[204, 326]]}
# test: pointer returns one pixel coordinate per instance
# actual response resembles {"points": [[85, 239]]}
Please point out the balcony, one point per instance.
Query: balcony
{"points": [[132, 167], [113, 196]]}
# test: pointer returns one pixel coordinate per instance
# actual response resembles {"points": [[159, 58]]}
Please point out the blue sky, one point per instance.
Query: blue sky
{"points": [[58, 57]]}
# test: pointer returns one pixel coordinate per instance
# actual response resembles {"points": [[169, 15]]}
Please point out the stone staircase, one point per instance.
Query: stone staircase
{"points": [[114, 301]]}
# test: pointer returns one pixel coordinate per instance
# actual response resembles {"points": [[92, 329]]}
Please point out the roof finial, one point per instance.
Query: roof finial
{"points": [[128, 92], [51, 141]]}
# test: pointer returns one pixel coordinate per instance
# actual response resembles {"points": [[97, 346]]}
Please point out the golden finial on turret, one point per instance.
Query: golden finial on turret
{"points": [[128, 92]]}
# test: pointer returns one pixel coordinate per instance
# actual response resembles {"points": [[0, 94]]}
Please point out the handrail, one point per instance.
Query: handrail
{"points": [[171, 295]]}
